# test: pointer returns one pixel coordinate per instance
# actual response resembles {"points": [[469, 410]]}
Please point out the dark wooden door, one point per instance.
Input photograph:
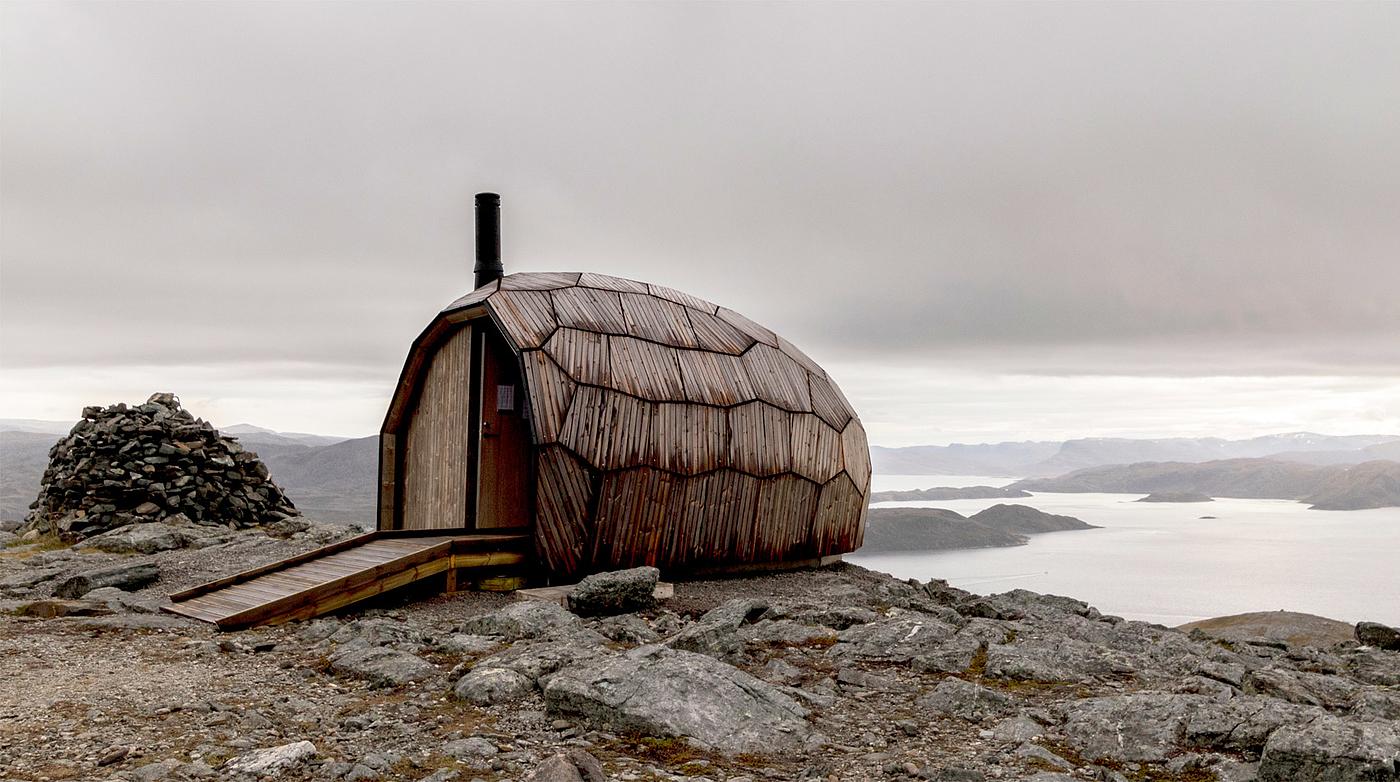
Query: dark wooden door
{"points": [[437, 487], [503, 485]]}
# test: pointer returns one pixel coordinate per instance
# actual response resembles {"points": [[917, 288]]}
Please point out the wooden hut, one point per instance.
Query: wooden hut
{"points": [[621, 423]]}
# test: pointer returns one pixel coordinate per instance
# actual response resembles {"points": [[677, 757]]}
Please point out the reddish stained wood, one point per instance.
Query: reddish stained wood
{"points": [[760, 439], [816, 448], [827, 403], [645, 369], [759, 333], [589, 309], [715, 378], [608, 430], [680, 297], [582, 354], [856, 454], [778, 379], [563, 491], [711, 518], [715, 335], [786, 506], [611, 283], [526, 316], [836, 526], [688, 439], [632, 507], [538, 281], [657, 320], [550, 393], [475, 297]]}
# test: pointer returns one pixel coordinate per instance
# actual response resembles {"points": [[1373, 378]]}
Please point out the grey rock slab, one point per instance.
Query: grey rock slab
{"points": [[28, 577], [1329, 692], [785, 632], [964, 699], [898, 638], [665, 692], [525, 619], [1026, 750], [615, 592], [271, 761], [538, 660], [483, 686], [627, 629], [474, 747], [147, 538], [1377, 704], [1330, 749], [389, 667], [717, 633], [128, 577], [1141, 727], [1017, 729], [134, 603], [1375, 667], [1242, 724], [1054, 657]]}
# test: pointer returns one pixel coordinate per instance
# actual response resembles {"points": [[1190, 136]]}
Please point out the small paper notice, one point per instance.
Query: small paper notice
{"points": [[505, 399]]}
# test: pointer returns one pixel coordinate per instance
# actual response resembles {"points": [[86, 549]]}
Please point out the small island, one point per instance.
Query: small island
{"points": [[936, 529], [1176, 496], [945, 493]]}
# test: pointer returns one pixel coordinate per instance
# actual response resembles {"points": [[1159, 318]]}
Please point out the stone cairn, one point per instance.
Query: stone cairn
{"points": [[155, 462]]}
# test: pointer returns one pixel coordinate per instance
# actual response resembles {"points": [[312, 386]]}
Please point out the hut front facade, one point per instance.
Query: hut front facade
{"points": [[623, 424]]}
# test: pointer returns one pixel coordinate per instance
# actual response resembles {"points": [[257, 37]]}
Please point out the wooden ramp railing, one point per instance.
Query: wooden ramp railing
{"points": [[333, 577]]}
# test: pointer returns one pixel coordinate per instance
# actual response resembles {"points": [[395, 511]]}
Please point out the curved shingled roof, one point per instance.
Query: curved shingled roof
{"points": [[710, 434]]}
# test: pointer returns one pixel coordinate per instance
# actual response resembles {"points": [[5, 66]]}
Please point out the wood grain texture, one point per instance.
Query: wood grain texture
{"points": [[657, 320], [787, 505], [816, 448], [550, 393], [757, 332], [475, 297], [790, 350], [680, 297], [437, 446], [645, 369], [717, 336], [837, 523], [589, 309], [526, 316], [608, 430], [584, 355], [609, 283], [715, 378], [760, 439], [777, 379], [632, 511], [688, 439], [856, 454], [563, 494], [538, 281], [828, 403]]}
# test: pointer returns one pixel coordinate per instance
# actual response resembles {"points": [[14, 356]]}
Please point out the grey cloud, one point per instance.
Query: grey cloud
{"points": [[290, 182]]}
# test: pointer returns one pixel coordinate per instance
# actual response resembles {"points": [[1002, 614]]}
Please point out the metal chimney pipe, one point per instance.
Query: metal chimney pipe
{"points": [[488, 239]]}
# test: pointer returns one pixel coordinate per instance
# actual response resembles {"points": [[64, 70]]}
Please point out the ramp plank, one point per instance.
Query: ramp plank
{"points": [[335, 576]]}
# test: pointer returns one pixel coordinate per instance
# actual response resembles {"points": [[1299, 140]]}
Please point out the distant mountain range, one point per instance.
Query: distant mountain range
{"points": [[1050, 459], [1374, 484]]}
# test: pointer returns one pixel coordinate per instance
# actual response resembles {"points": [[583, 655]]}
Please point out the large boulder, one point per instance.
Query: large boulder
{"points": [[383, 666], [1378, 635], [618, 592], [665, 692], [899, 638], [1141, 727], [150, 537], [968, 700], [717, 632], [483, 686], [525, 619], [1329, 749], [127, 577], [271, 761]]}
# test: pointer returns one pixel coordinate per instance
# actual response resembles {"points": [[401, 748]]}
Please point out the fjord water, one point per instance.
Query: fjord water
{"points": [[1161, 562]]}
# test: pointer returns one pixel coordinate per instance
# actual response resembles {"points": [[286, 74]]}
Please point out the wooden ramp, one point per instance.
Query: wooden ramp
{"points": [[328, 578]]}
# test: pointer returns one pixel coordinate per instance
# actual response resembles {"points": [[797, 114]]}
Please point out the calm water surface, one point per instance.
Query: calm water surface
{"points": [[1161, 562]]}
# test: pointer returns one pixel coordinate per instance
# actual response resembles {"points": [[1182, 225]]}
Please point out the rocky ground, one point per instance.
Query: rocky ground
{"points": [[838, 674]]}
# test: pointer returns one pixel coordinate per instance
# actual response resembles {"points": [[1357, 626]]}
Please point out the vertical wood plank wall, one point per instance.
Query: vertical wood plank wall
{"points": [[436, 483]]}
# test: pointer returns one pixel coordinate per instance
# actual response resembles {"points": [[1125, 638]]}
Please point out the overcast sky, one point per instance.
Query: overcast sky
{"points": [[988, 221]]}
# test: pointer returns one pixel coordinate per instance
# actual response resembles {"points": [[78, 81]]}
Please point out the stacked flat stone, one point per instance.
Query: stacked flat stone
{"points": [[124, 465]]}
